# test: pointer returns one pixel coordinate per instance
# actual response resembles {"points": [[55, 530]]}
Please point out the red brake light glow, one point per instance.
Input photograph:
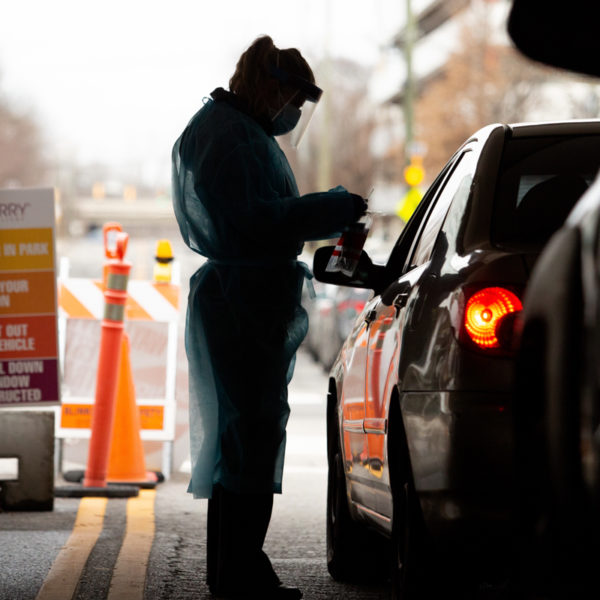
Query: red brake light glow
{"points": [[484, 311]]}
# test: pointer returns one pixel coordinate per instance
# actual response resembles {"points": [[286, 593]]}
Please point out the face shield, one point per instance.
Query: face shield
{"points": [[303, 101]]}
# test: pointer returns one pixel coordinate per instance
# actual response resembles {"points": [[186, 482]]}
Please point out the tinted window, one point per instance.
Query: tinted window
{"points": [[402, 249], [458, 183], [539, 181]]}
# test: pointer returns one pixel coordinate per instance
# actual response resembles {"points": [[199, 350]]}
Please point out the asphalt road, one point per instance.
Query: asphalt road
{"points": [[31, 542], [296, 538]]}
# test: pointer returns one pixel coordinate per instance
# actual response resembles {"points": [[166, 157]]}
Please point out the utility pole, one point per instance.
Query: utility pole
{"points": [[325, 150], [413, 153], [409, 84]]}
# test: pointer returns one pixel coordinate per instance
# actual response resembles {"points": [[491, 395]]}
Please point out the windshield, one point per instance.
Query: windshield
{"points": [[539, 181]]}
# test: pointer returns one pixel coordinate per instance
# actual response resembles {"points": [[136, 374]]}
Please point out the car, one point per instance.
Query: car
{"points": [[319, 308], [557, 420], [420, 404], [557, 404], [330, 315]]}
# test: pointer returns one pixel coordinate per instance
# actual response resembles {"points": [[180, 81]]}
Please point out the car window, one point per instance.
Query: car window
{"points": [[540, 180], [404, 244], [458, 183]]}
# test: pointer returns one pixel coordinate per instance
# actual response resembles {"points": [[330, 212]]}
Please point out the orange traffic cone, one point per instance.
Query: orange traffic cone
{"points": [[126, 462]]}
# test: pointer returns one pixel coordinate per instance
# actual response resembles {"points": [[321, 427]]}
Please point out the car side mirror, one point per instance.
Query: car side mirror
{"points": [[366, 275]]}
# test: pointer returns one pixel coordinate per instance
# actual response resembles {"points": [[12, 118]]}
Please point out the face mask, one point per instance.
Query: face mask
{"points": [[286, 119]]}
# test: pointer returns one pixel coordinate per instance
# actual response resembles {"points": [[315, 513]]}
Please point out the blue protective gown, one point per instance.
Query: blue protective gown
{"points": [[237, 203]]}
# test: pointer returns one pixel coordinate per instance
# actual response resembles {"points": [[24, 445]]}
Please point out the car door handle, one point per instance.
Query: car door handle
{"points": [[400, 300]]}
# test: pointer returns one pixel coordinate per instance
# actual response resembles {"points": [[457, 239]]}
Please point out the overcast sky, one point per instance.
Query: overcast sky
{"points": [[116, 81]]}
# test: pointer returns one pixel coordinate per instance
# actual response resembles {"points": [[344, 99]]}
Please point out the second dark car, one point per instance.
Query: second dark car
{"points": [[558, 401]]}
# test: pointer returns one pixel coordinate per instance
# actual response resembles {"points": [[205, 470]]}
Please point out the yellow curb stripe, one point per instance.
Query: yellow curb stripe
{"points": [[61, 582], [129, 574]]}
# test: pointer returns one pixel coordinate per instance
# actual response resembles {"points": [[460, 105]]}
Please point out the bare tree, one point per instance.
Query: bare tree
{"points": [[22, 161], [483, 82], [584, 98]]}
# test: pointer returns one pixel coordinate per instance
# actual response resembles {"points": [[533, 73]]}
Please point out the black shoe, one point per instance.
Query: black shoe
{"points": [[280, 592]]}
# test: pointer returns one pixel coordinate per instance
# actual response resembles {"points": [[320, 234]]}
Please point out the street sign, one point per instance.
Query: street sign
{"points": [[408, 204], [28, 322]]}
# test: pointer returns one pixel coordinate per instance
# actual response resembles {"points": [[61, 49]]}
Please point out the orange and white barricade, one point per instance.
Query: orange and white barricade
{"points": [[152, 323]]}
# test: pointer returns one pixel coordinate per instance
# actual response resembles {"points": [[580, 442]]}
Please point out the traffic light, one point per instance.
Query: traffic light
{"points": [[414, 172]]}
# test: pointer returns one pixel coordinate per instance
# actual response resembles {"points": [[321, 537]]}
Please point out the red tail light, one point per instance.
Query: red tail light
{"points": [[485, 310]]}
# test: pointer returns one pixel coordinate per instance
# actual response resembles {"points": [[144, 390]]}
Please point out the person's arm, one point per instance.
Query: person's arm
{"points": [[243, 183]]}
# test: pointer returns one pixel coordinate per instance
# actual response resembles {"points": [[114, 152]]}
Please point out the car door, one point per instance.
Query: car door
{"points": [[354, 356], [385, 323], [354, 359]]}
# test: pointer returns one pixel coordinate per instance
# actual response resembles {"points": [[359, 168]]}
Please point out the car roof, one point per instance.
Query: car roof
{"points": [[537, 128], [570, 127]]}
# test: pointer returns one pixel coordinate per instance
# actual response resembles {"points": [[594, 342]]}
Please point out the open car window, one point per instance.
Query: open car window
{"points": [[405, 244], [458, 183]]}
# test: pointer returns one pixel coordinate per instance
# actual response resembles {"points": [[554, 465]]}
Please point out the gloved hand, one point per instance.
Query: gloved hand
{"points": [[360, 206], [338, 188]]}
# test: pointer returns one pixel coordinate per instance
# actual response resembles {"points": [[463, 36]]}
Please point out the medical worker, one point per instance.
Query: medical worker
{"points": [[237, 204]]}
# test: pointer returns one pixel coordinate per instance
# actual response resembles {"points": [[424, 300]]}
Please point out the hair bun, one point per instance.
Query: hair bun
{"points": [[252, 80]]}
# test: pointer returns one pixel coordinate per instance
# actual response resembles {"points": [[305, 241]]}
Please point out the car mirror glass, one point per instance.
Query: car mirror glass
{"points": [[364, 276]]}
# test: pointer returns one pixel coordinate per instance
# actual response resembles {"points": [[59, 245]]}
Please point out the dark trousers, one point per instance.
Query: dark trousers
{"points": [[237, 526]]}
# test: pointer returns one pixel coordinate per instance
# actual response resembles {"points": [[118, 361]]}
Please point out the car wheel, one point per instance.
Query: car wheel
{"points": [[354, 553], [409, 537], [554, 512], [403, 534]]}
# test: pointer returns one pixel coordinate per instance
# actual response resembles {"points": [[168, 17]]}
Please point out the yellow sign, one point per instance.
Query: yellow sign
{"points": [[407, 206], [27, 249]]}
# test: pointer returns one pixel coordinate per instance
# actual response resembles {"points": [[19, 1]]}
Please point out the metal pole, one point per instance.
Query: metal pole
{"points": [[325, 167], [409, 84]]}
